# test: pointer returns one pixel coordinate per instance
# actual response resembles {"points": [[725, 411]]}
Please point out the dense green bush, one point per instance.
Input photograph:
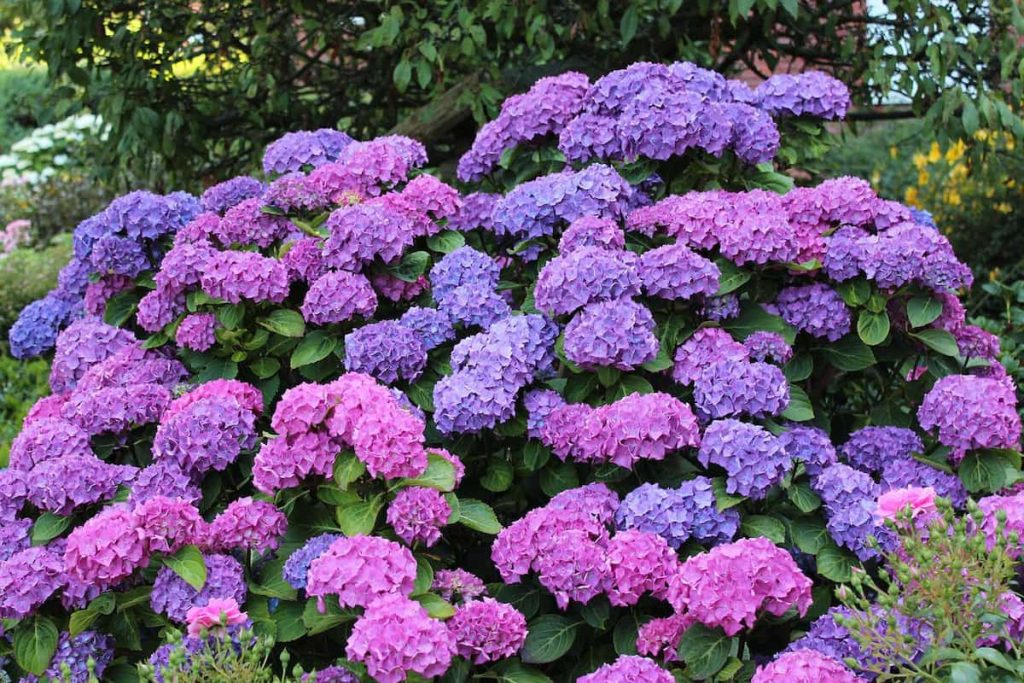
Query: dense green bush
{"points": [[631, 384], [54, 205], [21, 385], [27, 274], [23, 102]]}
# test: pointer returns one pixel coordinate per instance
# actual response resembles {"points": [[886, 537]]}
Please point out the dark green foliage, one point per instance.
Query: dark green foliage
{"points": [[21, 385], [22, 102], [27, 275], [220, 79]]}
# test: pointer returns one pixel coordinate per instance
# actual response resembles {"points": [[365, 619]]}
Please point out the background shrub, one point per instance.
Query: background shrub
{"points": [[27, 274]]}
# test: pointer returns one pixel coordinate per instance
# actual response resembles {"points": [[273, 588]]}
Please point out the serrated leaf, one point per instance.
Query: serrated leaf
{"points": [[446, 241], [549, 637], [803, 497], [479, 516], [313, 348], [48, 526], [360, 518], [498, 476], [285, 322], [435, 605], [923, 310], [440, 474], [347, 468], [762, 525], [849, 354], [939, 341], [704, 650], [835, 564], [987, 471], [558, 477], [799, 408], [188, 563], [873, 328], [35, 641], [411, 267], [731, 277]]}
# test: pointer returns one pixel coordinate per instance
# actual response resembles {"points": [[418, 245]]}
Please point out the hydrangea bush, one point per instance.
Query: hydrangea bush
{"points": [[621, 406]]}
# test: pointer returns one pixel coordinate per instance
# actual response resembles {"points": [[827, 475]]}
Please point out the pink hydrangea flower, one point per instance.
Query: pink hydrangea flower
{"points": [[248, 524], [920, 501], [629, 669], [418, 513], [218, 613], [638, 562], [359, 569], [487, 630], [805, 666]]}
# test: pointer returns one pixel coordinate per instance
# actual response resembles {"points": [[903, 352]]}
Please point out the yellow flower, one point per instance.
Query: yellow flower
{"points": [[935, 153], [910, 196], [894, 152]]}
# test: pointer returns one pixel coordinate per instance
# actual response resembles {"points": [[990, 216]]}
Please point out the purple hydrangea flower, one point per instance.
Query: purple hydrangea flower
{"points": [[971, 412], [27, 579], [474, 306], [629, 668], [430, 325], [75, 654], [899, 473], [293, 151], [618, 333], [808, 445], [237, 275], [812, 93], [222, 196], [586, 275], [207, 435], [296, 568], [729, 388], [751, 456], [112, 255], [364, 232], [707, 346], [768, 347], [174, 597], [247, 224], [675, 271], [386, 350], [61, 485], [590, 231], [35, 331], [295, 192], [197, 331], [850, 498], [417, 515], [815, 309], [337, 297], [870, 448], [540, 403], [487, 630], [47, 439], [464, 266], [452, 583]]}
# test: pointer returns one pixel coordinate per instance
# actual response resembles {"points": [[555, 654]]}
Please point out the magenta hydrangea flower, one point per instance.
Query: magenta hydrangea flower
{"points": [[285, 461], [706, 346], [586, 275], [458, 583], [417, 515], [247, 224], [753, 459], [164, 479], [182, 266], [159, 308], [295, 192], [106, 549], [296, 568], [359, 569], [618, 334], [363, 232], [487, 630], [395, 289], [730, 585], [629, 669], [172, 596], [237, 275], [167, 524], [63, 484], [305, 259], [639, 562], [573, 567], [396, 636], [637, 427], [27, 579], [244, 395], [805, 666], [197, 331], [83, 344], [1013, 508], [971, 412], [249, 525], [338, 296]]}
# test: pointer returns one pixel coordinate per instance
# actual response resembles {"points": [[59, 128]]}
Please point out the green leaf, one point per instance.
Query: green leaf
{"points": [[624, 635], [35, 641], [597, 612], [120, 308], [513, 671], [411, 267], [810, 534], [422, 394], [523, 597], [704, 650], [723, 499], [849, 354], [987, 471], [347, 468], [316, 621], [424, 576], [799, 367], [873, 328], [402, 75], [558, 477], [188, 563], [435, 605], [661, 362], [835, 564], [285, 322], [753, 318], [628, 25], [314, 347], [631, 384], [48, 527], [479, 516], [922, 310], [440, 474], [799, 408], [360, 518], [265, 367], [803, 497], [762, 525], [446, 241], [550, 636], [964, 672], [81, 620], [288, 617], [939, 341], [498, 476], [854, 292], [230, 316], [731, 277]]}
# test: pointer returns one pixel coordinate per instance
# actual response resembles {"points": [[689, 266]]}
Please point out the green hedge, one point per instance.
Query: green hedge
{"points": [[27, 275]]}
